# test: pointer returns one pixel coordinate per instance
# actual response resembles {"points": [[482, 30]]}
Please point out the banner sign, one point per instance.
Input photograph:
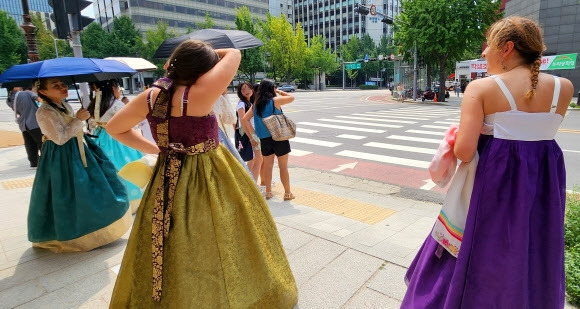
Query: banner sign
{"points": [[555, 62]]}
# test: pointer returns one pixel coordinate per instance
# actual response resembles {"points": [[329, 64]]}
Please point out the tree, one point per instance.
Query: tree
{"points": [[96, 42], [153, 39], [45, 41], [349, 53], [323, 60], [285, 48], [444, 29], [12, 46], [253, 59], [124, 37], [207, 23]]}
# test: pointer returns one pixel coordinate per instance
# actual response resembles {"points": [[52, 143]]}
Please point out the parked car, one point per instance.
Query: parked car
{"points": [[286, 88]]}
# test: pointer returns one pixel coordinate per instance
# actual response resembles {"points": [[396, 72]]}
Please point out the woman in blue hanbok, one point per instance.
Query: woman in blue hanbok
{"points": [[78, 202], [104, 104]]}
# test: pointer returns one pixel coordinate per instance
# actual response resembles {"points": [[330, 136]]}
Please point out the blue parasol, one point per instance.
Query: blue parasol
{"points": [[69, 70]]}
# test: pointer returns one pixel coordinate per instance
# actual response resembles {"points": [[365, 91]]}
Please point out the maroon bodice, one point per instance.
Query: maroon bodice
{"points": [[187, 130]]}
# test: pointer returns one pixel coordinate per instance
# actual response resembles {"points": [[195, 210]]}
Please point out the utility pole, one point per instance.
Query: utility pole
{"points": [[29, 32], [415, 73]]}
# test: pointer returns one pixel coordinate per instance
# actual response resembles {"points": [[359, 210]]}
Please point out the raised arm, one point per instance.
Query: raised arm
{"points": [[210, 85], [282, 98], [120, 127], [55, 128]]}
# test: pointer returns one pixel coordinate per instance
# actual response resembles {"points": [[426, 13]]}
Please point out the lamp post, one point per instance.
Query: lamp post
{"points": [[55, 46], [30, 32]]}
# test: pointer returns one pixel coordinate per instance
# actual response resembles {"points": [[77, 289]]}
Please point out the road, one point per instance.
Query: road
{"points": [[363, 134], [360, 133]]}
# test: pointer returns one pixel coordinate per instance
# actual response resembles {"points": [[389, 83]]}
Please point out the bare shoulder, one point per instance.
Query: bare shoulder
{"points": [[480, 86]]}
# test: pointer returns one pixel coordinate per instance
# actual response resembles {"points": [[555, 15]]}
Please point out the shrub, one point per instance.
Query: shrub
{"points": [[572, 104], [572, 247], [363, 87]]}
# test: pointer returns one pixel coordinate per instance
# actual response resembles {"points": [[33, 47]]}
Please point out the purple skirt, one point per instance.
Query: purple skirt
{"points": [[512, 253]]}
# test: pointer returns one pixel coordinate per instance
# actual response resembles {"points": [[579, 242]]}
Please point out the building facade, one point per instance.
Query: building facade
{"points": [[39, 7], [181, 15], [560, 20], [285, 7], [336, 20]]}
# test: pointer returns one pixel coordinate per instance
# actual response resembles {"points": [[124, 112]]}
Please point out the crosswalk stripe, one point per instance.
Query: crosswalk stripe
{"points": [[396, 113], [384, 159], [324, 125], [389, 116], [422, 112], [435, 127], [302, 130], [348, 136], [414, 139], [400, 147], [453, 119], [315, 142], [446, 122], [426, 132], [376, 119], [362, 123], [299, 153]]}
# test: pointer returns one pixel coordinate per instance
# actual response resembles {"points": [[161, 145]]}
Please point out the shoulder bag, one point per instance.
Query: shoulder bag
{"points": [[281, 128]]}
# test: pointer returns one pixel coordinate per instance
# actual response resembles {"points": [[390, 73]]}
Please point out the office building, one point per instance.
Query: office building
{"points": [[285, 7], [39, 7], [181, 15], [337, 20]]}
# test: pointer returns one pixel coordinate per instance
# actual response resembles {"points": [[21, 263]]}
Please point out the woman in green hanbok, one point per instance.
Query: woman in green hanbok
{"points": [[78, 202]]}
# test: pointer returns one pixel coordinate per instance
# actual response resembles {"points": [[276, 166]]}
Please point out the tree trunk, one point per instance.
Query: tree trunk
{"points": [[429, 73], [441, 94]]}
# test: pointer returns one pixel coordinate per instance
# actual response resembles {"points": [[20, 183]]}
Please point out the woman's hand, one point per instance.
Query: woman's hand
{"points": [[83, 114]]}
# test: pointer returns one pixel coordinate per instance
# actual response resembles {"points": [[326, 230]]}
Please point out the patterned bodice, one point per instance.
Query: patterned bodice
{"points": [[187, 130]]}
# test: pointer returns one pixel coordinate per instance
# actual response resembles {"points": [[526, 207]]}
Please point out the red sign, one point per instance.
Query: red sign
{"points": [[373, 10]]}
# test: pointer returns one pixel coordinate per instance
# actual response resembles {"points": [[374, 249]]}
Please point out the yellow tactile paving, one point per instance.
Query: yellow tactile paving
{"points": [[10, 138], [363, 212], [17, 183]]}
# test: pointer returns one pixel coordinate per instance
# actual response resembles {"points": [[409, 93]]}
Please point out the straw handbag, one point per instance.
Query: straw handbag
{"points": [[281, 128]]}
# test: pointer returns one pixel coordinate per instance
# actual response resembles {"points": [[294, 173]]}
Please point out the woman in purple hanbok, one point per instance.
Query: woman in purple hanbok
{"points": [[512, 251]]}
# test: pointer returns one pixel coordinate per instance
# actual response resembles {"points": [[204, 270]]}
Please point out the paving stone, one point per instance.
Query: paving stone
{"points": [[20, 294], [392, 248], [13, 232], [370, 236], [312, 257], [390, 280], [16, 242], [312, 217], [328, 289], [293, 239], [371, 299]]}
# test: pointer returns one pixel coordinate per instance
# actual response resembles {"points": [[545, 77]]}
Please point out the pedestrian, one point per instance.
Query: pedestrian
{"points": [[77, 202], [25, 104], [246, 96], [401, 92], [457, 88], [269, 100], [104, 105], [203, 236], [512, 249]]}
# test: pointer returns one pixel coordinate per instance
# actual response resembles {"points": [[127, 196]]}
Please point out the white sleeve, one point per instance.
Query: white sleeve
{"points": [[53, 125]]}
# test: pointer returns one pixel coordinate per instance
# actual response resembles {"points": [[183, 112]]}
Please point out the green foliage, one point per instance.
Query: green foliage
{"points": [[444, 29], [252, 59], [207, 23], [572, 247], [96, 42], [572, 104], [153, 39], [124, 37], [45, 41], [12, 46]]}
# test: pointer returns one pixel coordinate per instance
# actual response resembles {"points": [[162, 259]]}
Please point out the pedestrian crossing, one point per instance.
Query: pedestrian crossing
{"points": [[406, 136]]}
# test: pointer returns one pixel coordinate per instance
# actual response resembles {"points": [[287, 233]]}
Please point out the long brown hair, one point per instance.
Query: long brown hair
{"points": [[190, 60], [526, 35]]}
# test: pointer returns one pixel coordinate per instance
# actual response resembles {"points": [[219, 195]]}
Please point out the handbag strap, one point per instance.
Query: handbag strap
{"points": [[274, 109]]}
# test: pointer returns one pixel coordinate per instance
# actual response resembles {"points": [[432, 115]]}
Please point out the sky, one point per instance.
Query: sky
{"points": [[89, 11]]}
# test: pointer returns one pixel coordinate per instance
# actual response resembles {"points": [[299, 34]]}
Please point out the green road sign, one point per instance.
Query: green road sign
{"points": [[352, 66]]}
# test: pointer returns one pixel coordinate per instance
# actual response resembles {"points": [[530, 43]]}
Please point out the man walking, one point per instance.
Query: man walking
{"points": [[25, 107], [457, 87]]}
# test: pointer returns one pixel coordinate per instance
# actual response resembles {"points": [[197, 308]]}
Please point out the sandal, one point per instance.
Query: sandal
{"points": [[269, 195], [289, 196]]}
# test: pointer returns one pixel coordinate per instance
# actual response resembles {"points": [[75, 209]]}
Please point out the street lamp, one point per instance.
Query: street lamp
{"points": [[30, 32], [55, 46]]}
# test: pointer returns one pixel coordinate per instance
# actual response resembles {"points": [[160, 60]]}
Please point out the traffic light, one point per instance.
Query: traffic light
{"points": [[387, 20], [61, 9], [361, 9], [74, 8], [60, 18]]}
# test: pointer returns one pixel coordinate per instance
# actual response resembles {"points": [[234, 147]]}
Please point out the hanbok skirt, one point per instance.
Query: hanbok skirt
{"points": [[76, 208], [222, 250], [512, 253]]}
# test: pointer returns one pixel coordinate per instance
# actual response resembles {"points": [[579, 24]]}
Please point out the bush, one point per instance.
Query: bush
{"points": [[572, 247], [363, 87], [572, 104]]}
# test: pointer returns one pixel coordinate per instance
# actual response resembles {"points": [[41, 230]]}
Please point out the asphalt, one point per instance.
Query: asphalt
{"points": [[349, 242]]}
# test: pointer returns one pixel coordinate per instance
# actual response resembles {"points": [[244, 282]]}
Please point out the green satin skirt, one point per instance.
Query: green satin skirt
{"points": [[76, 208], [223, 248]]}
